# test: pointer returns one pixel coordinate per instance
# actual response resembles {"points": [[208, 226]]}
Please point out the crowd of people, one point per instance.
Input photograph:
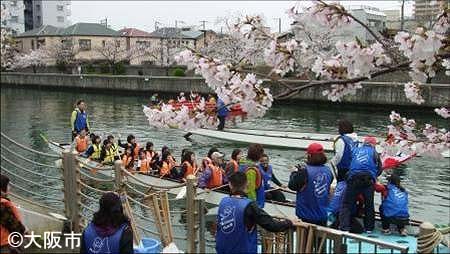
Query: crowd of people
{"points": [[247, 177]]}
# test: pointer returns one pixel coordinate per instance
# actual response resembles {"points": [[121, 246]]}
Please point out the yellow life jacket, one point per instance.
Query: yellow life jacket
{"points": [[109, 156], [97, 150], [115, 149]]}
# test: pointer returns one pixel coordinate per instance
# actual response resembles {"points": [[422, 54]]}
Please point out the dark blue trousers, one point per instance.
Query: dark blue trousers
{"points": [[349, 202]]}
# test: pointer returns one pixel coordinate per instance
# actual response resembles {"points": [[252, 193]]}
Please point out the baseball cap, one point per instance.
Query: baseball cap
{"points": [[314, 148], [370, 140], [217, 155]]}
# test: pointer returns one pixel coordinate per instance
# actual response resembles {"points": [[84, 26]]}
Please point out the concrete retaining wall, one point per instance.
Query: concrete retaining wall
{"points": [[380, 93]]}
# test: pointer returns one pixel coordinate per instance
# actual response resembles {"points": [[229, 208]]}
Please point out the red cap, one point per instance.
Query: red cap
{"points": [[370, 140], [315, 148]]}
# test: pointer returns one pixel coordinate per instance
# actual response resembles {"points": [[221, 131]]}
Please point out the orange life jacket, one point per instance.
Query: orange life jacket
{"points": [[190, 169], [126, 161], [235, 165], [144, 166], [216, 176], [149, 155], [136, 151], [81, 144], [4, 233], [166, 167]]}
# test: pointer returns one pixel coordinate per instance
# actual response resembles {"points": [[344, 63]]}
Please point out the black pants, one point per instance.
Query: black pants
{"points": [[221, 123], [276, 195], [358, 184], [386, 222]]}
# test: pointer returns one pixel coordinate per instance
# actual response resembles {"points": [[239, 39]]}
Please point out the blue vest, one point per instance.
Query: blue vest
{"points": [[232, 234], [396, 203], [363, 161], [266, 176], [347, 155], [312, 202], [336, 200], [80, 121], [97, 244], [221, 109]]}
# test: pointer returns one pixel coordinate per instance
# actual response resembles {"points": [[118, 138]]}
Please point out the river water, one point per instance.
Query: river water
{"points": [[26, 113]]}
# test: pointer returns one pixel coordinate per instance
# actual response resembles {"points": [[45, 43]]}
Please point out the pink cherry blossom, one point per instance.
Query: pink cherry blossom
{"points": [[444, 112], [412, 92]]}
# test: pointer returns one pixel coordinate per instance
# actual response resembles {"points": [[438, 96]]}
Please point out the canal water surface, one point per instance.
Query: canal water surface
{"points": [[26, 113]]}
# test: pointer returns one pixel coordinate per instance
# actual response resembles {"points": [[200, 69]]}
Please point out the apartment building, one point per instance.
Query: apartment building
{"points": [[14, 19], [44, 12]]}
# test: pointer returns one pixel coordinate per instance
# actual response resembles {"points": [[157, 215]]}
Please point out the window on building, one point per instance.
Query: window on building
{"points": [[117, 44], [32, 44], [38, 19], [104, 43], [60, 7], [15, 19], [143, 44], [14, 3], [60, 18], [84, 44], [38, 7], [40, 43], [67, 43]]}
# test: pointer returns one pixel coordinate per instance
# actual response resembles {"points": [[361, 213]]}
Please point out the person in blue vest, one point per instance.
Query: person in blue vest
{"points": [[222, 113], [267, 175], [238, 217], [312, 184], [364, 169], [110, 230], [343, 146], [394, 207], [79, 119]]}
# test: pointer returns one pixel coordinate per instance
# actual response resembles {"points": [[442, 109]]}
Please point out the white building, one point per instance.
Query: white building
{"points": [[14, 19], [392, 15], [42, 12]]}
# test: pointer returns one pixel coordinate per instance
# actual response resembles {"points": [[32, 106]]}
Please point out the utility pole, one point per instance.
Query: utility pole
{"points": [[156, 24], [104, 22], [279, 24], [203, 23]]}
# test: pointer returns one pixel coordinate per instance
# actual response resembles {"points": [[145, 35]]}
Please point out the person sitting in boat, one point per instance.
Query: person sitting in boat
{"points": [[212, 176], [312, 183], [233, 165], [94, 150], [188, 164], [114, 147], [143, 164], [128, 158], [365, 167], [79, 119], [394, 206], [343, 146], [131, 142], [166, 164], [222, 113], [107, 155], [110, 229], [267, 175], [81, 142], [11, 219], [208, 160], [152, 156], [238, 217], [249, 166]]}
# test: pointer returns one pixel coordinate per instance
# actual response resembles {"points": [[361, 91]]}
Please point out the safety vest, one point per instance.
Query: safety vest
{"points": [[190, 169], [149, 155], [4, 233], [97, 150], [144, 166], [260, 192], [96, 243], [136, 150], [109, 157], [312, 201], [126, 160], [233, 236], [344, 163], [114, 149], [396, 203], [266, 176], [336, 201], [80, 121], [363, 161], [216, 177], [166, 167], [81, 144]]}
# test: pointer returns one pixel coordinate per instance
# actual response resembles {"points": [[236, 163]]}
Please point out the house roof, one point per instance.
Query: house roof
{"points": [[173, 32], [46, 30], [89, 29], [133, 32], [76, 29]]}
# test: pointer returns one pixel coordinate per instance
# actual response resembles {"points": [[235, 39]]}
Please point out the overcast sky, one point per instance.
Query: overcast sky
{"points": [[143, 14]]}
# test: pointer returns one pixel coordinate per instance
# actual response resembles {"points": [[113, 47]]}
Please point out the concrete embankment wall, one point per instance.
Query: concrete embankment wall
{"points": [[380, 93]]}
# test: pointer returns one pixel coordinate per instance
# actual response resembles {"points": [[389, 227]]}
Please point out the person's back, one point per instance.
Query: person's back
{"points": [[364, 161], [238, 217], [396, 202]]}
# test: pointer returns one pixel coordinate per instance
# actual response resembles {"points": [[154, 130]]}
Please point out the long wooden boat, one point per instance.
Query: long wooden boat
{"points": [[277, 139], [286, 210]]}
